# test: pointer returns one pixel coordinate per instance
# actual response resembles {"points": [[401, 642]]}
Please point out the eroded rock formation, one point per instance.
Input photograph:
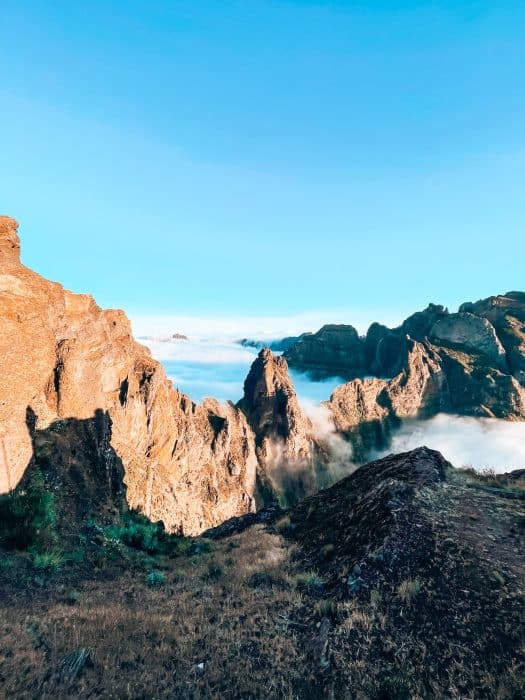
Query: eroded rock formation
{"points": [[366, 410], [63, 357], [468, 363], [335, 350], [286, 446]]}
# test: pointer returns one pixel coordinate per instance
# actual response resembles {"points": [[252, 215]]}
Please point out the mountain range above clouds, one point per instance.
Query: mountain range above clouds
{"points": [[193, 466]]}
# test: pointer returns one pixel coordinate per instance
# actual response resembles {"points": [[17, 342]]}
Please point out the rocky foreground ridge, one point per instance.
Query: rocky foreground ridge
{"points": [[403, 580]]}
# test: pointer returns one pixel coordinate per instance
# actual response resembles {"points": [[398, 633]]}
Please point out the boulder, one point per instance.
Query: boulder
{"points": [[470, 333]]}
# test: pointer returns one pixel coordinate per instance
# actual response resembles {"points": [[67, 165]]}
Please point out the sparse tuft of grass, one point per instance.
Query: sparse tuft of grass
{"points": [[326, 607], [47, 561], [375, 597], [282, 526], [309, 581], [155, 578], [408, 589]]}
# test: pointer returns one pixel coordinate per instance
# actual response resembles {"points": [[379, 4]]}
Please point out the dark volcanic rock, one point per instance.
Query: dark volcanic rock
{"points": [[280, 345], [410, 551], [361, 513], [334, 351], [419, 325], [385, 350]]}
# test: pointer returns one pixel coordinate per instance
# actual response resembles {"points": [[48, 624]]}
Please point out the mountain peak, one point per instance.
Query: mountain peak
{"points": [[9, 241]]}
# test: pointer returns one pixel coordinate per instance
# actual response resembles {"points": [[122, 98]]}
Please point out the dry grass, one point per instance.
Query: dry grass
{"points": [[195, 635]]}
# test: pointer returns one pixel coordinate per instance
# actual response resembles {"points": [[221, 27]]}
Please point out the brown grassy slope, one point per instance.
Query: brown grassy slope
{"points": [[404, 580]]}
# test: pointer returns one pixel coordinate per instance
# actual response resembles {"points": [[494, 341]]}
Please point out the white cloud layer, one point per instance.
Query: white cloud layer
{"points": [[228, 329], [481, 443]]}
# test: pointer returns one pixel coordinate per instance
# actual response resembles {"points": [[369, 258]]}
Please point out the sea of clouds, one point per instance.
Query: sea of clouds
{"points": [[213, 363], [481, 443]]}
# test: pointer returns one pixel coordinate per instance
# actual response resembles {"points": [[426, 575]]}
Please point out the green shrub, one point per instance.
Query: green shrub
{"points": [[155, 578], [138, 532], [28, 516], [47, 561], [309, 581]]}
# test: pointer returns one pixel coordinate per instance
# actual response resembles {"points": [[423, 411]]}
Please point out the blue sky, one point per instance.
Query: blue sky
{"points": [[266, 158]]}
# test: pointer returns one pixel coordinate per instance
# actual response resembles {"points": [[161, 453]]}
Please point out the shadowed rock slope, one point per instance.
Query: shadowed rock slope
{"points": [[428, 564], [61, 356]]}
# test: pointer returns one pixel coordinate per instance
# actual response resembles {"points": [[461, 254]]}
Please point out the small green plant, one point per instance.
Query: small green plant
{"points": [[73, 597], [155, 579], [28, 516], [47, 561], [7, 563], [309, 581], [408, 589], [136, 531]]}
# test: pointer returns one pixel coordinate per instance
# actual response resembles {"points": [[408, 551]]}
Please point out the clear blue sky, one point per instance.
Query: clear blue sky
{"points": [[260, 157]]}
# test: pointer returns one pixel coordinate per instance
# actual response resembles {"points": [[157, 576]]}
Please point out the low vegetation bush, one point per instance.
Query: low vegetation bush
{"points": [[135, 530], [47, 561], [28, 516], [155, 578]]}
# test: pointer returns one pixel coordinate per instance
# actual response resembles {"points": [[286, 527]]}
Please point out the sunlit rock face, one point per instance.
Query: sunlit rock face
{"points": [[191, 466], [471, 363], [286, 447]]}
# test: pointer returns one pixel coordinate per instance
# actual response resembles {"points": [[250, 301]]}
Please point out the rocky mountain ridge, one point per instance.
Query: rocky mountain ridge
{"points": [[65, 361], [64, 358], [468, 363]]}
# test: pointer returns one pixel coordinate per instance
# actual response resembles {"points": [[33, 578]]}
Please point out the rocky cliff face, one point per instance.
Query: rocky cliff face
{"points": [[284, 436], [366, 410], [64, 358], [470, 363], [507, 315], [335, 350]]}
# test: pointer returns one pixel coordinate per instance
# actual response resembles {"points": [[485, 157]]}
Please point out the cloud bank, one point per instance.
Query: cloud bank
{"points": [[481, 443]]}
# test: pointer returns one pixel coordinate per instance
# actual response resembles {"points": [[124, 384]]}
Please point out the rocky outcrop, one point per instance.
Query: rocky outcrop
{"points": [[507, 315], [284, 436], [335, 350], [470, 363], [366, 410], [470, 333], [64, 358], [279, 345]]}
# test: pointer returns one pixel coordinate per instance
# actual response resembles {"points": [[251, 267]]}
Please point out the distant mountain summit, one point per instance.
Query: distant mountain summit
{"points": [[468, 363]]}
